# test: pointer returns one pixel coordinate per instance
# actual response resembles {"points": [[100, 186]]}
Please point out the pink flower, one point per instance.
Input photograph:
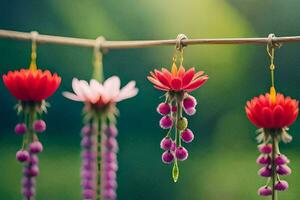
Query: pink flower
{"points": [[101, 94]]}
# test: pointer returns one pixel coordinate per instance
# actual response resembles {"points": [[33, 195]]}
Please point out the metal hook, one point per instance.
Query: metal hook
{"points": [[179, 44]]}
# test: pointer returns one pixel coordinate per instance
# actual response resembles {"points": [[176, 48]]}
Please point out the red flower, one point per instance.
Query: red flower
{"points": [[31, 85], [177, 79], [275, 112]]}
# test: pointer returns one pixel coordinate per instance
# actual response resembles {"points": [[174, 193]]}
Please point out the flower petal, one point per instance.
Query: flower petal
{"points": [[72, 96], [188, 76], [127, 91], [176, 84], [278, 116], [196, 83]]}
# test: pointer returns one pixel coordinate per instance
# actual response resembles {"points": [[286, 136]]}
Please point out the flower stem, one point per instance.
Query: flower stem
{"points": [[96, 126], [274, 174]]}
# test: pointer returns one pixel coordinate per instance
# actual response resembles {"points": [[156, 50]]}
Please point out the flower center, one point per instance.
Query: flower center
{"points": [[273, 95]]}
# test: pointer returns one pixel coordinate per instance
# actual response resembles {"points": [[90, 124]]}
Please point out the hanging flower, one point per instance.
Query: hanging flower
{"points": [[101, 94], [178, 79], [272, 113], [265, 114], [31, 87], [98, 176], [177, 84]]}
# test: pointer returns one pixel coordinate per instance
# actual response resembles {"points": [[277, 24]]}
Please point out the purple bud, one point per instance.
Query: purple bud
{"points": [[28, 182], [190, 111], [281, 185], [265, 191], [181, 153], [33, 160], [110, 185], [39, 126], [109, 175], [32, 171], [166, 143], [88, 165], [36, 147], [283, 170], [173, 147], [111, 144], [265, 148], [265, 172], [189, 102], [20, 129], [167, 157], [110, 157], [109, 194], [86, 130], [112, 131], [22, 156], [111, 166], [166, 122], [281, 160], [89, 155], [88, 184], [88, 175], [263, 159], [86, 142], [163, 108], [187, 136], [174, 109], [28, 192], [88, 194]]}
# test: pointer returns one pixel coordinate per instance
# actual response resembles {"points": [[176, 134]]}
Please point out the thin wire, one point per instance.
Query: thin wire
{"points": [[33, 65], [98, 57], [140, 44], [271, 52]]}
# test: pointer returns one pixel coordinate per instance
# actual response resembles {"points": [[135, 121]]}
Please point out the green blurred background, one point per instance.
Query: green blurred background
{"points": [[222, 157]]}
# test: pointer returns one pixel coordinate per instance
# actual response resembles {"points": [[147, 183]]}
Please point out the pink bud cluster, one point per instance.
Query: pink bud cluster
{"points": [[282, 169]]}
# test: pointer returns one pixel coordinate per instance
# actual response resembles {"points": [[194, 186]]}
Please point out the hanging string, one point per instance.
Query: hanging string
{"points": [[33, 65], [271, 52], [178, 50], [98, 60]]}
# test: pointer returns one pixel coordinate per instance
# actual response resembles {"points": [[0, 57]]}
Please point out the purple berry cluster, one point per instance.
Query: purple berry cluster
{"points": [[273, 168], [173, 120], [109, 167], [29, 155], [89, 163]]}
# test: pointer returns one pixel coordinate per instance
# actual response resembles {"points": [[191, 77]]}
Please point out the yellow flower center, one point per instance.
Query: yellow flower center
{"points": [[273, 95]]}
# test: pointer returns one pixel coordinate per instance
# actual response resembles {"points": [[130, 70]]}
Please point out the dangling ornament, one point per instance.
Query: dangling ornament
{"points": [[272, 113], [99, 143], [177, 84], [31, 87]]}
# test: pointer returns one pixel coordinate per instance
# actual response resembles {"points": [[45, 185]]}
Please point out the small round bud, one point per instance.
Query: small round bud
{"points": [[163, 108], [187, 136], [39, 126], [265, 191], [86, 130], [265, 148], [20, 129], [32, 171], [109, 194], [263, 159], [182, 123], [167, 157], [88, 184], [181, 153], [265, 172], [33, 160], [166, 122], [28, 192], [112, 131], [174, 109], [88, 194], [189, 102], [86, 142], [283, 170], [166, 143], [22, 156], [281, 185], [35, 147], [28, 182], [173, 147], [190, 111], [281, 160]]}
